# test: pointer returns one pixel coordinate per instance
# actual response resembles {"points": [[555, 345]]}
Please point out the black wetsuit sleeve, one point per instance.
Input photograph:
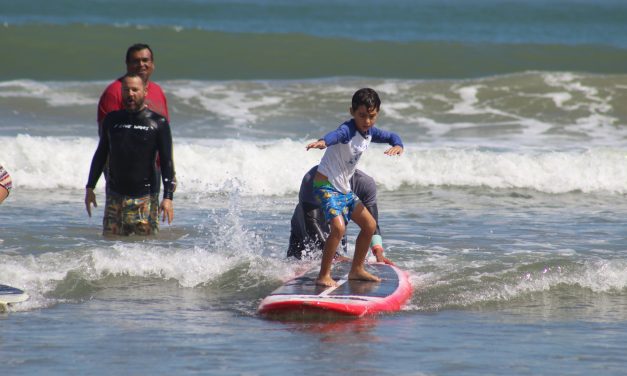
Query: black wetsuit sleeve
{"points": [[365, 188], [305, 194], [164, 144], [100, 158], [306, 230], [308, 227], [372, 208], [315, 225]]}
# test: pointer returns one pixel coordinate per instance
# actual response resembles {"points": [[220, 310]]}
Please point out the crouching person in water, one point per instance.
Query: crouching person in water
{"points": [[309, 230], [131, 139]]}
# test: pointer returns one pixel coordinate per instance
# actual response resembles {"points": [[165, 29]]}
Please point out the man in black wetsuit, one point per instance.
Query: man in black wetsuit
{"points": [[309, 230], [131, 140]]}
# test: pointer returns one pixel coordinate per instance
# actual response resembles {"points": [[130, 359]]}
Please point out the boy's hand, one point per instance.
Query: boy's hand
{"points": [[394, 150], [320, 144]]}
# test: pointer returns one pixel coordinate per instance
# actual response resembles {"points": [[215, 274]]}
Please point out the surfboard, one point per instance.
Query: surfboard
{"points": [[301, 295], [10, 295]]}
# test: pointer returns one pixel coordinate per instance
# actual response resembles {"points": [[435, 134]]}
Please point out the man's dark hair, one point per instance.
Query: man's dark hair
{"points": [[366, 97], [139, 47], [133, 75]]}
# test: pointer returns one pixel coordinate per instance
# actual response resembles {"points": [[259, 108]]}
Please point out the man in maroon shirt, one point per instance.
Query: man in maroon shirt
{"points": [[139, 61]]}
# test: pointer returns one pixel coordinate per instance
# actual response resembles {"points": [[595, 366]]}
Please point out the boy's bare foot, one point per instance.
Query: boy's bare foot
{"points": [[363, 275], [326, 281]]}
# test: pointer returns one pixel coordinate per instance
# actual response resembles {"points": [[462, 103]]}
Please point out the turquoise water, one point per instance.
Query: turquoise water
{"points": [[507, 209], [572, 22], [87, 52], [256, 39]]}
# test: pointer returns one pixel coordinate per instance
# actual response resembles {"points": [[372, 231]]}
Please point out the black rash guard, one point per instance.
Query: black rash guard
{"points": [[131, 142]]}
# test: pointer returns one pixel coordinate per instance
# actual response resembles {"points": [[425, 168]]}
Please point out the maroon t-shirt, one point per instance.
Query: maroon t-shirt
{"points": [[111, 100]]}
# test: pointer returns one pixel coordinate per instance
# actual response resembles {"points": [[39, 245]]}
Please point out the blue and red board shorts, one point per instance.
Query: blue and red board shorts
{"points": [[333, 202]]}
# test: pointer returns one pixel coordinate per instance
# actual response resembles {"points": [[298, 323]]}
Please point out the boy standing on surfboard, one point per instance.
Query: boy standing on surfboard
{"points": [[339, 204]]}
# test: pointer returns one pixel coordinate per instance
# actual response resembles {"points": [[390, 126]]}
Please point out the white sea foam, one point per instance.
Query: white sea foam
{"points": [[494, 280], [41, 276], [225, 99], [469, 100], [276, 168], [54, 94], [531, 109], [578, 96], [229, 252], [603, 276]]}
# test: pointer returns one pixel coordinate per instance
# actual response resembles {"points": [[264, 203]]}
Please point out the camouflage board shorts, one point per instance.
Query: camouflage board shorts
{"points": [[125, 215]]}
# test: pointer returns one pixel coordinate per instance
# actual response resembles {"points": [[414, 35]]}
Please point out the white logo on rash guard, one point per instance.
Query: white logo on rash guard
{"points": [[134, 126]]}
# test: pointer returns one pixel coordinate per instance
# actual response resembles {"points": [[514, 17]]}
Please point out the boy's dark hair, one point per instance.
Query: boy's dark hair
{"points": [[366, 97], [138, 47]]}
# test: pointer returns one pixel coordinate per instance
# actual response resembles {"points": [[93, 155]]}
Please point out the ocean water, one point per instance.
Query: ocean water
{"points": [[507, 209]]}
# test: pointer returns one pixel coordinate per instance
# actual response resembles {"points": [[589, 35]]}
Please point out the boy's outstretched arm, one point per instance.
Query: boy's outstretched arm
{"points": [[320, 144], [395, 150], [381, 136]]}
